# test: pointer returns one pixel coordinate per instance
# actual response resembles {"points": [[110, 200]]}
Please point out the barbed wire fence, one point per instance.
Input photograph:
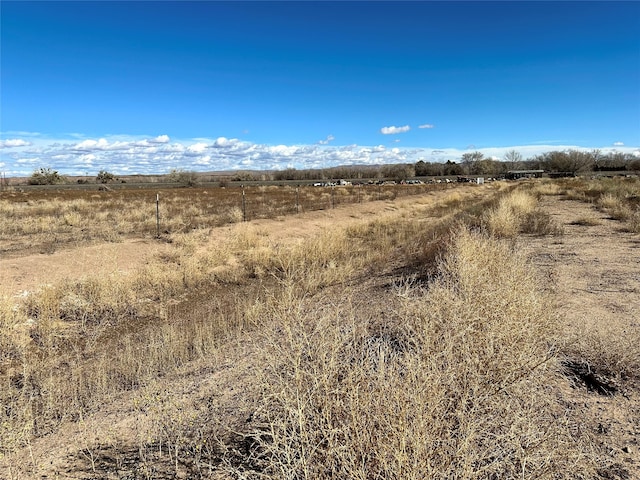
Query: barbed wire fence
{"points": [[264, 202]]}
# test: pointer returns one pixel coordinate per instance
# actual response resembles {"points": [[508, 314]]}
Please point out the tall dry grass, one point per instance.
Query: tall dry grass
{"points": [[454, 385], [517, 213], [619, 197]]}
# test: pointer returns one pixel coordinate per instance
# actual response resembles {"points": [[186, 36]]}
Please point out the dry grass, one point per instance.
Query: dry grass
{"points": [[609, 351], [548, 187], [453, 385], [445, 375], [618, 197], [45, 220], [67, 347], [518, 213]]}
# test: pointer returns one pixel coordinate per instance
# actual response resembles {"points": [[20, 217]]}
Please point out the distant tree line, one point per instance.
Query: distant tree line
{"points": [[471, 163]]}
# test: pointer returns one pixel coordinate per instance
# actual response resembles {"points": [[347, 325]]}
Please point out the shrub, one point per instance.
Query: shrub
{"points": [[105, 177], [187, 178], [46, 176], [451, 386]]}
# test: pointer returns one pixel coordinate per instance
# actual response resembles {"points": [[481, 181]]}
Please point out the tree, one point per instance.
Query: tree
{"points": [[572, 161], [513, 159], [399, 172], [190, 179], [105, 177], [469, 161], [452, 168], [46, 176], [422, 168], [287, 174], [487, 166]]}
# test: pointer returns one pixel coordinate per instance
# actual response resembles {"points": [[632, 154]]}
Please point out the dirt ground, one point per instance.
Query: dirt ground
{"points": [[594, 274], [593, 271]]}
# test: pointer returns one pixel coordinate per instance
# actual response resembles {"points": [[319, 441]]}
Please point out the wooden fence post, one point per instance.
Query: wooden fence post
{"points": [[157, 215], [244, 205]]}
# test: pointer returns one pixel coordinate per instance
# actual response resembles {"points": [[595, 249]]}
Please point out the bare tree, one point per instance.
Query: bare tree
{"points": [[513, 159], [470, 160]]}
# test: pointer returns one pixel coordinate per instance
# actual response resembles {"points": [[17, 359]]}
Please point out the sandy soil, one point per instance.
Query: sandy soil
{"points": [[594, 271], [596, 267]]}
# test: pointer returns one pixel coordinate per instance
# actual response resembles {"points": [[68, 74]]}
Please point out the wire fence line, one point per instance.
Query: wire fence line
{"points": [[44, 219], [248, 203]]}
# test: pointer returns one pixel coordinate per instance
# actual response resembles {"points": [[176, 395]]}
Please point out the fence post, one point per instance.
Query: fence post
{"points": [[297, 200], [244, 206], [157, 215], [333, 200]]}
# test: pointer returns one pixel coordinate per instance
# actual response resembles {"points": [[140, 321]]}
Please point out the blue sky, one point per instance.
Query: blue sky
{"points": [[145, 87]]}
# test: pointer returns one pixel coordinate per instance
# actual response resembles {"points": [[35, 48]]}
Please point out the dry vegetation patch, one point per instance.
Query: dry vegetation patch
{"points": [[418, 344], [453, 382]]}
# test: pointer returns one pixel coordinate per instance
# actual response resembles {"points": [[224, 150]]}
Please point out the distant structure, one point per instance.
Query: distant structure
{"points": [[561, 174], [516, 174]]}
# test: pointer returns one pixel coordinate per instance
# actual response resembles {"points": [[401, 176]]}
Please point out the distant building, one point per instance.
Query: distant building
{"points": [[516, 174]]}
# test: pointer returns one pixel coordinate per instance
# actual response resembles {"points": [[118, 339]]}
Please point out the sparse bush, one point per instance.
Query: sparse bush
{"points": [[187, 178], [105, 177], [540, 222], [46, 176], [507, 218]]}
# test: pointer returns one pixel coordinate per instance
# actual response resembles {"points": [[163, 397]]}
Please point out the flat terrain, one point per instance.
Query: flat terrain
{"points": [[20, 272], [593, 273]]}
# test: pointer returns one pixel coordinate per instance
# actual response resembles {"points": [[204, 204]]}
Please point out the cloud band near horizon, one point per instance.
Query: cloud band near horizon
{"points": [[161, 154]]}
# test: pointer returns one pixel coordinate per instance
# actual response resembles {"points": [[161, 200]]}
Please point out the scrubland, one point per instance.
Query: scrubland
{"points": [[44, 220], [618, 197], [420, 344]]}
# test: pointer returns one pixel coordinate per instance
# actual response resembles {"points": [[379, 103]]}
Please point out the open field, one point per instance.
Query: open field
{"points": [[45, 219], [476, 332]]}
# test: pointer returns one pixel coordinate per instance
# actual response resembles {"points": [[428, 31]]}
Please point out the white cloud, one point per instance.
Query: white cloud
{"points": [[14, 142], [326, 140], [393, 130], [101, 144], [618, 144], [203, 161], [426, 125], [160, 139], [133, 155], [283, 150], [197, 147], [225, 142]]}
